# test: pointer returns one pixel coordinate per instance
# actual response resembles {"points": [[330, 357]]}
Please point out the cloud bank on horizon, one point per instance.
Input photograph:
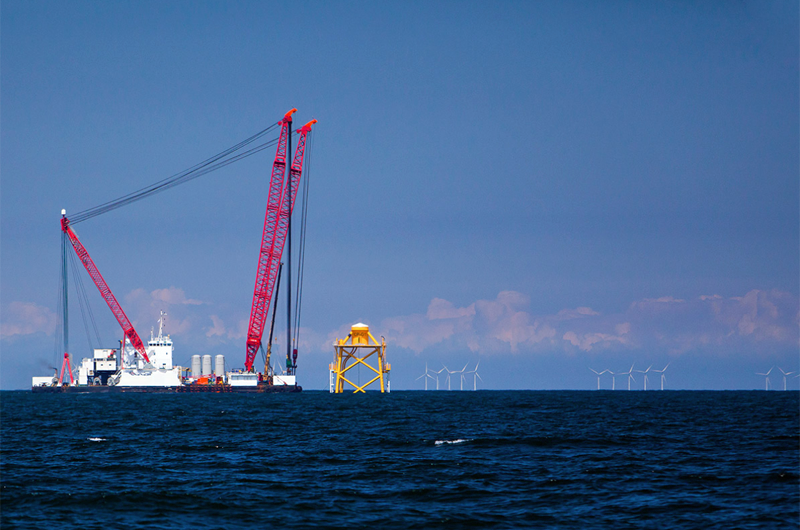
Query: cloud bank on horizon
{"points": [[756, 322], [676, 325]]}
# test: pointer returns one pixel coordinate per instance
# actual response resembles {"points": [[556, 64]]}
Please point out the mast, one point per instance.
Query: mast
{"points": [[64, 287]]}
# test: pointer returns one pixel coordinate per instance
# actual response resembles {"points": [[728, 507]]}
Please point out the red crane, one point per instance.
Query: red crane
{"points": [[105, 291], [274, 234]]}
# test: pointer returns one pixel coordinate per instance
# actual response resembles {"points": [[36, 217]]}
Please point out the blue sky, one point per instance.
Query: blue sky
{"points": [[545, 187]]}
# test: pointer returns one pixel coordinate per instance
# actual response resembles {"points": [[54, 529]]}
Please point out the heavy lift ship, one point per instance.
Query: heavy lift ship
{"points": [[134, 367]]}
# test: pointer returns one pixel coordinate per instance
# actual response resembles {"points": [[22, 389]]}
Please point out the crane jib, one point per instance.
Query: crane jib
{"points": [[274, 234], [105, 290]]}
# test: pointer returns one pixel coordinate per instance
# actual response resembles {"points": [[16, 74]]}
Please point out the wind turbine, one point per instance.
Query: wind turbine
{"points": [[426, 375], [645, 374], [463, 378], [437, 376], [613, 379], [766, 378], [785, 374], [598, 376], [663, 377], [448, 375], [475, 376], [629, 373]]}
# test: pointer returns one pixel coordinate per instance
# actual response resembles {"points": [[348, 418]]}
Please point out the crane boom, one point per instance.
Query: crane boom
{"points": [[265, 278], [105, 291], [270, 257]]}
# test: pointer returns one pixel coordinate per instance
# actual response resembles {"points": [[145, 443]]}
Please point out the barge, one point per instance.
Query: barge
{"points": [[123, 371]]}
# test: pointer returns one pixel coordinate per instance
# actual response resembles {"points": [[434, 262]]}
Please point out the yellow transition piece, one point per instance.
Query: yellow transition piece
{"points": [[355, 349]]}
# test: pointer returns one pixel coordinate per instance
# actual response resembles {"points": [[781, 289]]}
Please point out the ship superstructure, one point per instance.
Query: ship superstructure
{"points": [[158, 372]]}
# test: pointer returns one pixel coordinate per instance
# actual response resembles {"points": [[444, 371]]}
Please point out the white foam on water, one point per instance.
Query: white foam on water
{"points": [[459, 441], [97, 439]]}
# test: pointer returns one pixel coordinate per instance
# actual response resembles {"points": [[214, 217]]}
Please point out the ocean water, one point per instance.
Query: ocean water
{"points": [[529, 459]]}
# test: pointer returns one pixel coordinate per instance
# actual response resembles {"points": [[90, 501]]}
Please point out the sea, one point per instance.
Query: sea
{"points": [[413, 459]]}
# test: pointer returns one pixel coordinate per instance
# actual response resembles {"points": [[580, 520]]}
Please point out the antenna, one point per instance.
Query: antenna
{"points": [[161, 325]]}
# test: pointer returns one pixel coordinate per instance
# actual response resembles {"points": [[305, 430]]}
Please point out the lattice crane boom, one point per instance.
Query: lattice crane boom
{"points": [[265, 277], [270, 256], [105, 291]]}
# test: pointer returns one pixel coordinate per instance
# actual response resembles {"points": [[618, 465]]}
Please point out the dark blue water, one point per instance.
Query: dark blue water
{"points": [[405, 460]]}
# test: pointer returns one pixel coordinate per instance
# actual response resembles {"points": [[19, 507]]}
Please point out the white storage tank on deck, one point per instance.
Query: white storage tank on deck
{"points": [[196, 366], [219, 366], [206, 365]]}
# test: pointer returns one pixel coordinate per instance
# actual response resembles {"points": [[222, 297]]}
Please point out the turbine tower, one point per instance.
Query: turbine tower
{"points": [[766, 378], [663, 377]]}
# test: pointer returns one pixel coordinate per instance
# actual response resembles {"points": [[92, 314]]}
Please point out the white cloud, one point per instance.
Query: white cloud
{"points": [[173, 296], [677, 325], [27, 318], [218, 328], [144, 309], [439, 309]]}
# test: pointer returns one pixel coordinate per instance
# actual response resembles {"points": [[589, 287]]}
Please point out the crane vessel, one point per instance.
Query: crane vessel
{"points": [[134, 366]]}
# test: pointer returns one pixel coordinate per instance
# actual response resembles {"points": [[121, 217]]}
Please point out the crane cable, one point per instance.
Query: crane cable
{"points": [[83, 302], [217, 161], [62, 331], [302, 254]]}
